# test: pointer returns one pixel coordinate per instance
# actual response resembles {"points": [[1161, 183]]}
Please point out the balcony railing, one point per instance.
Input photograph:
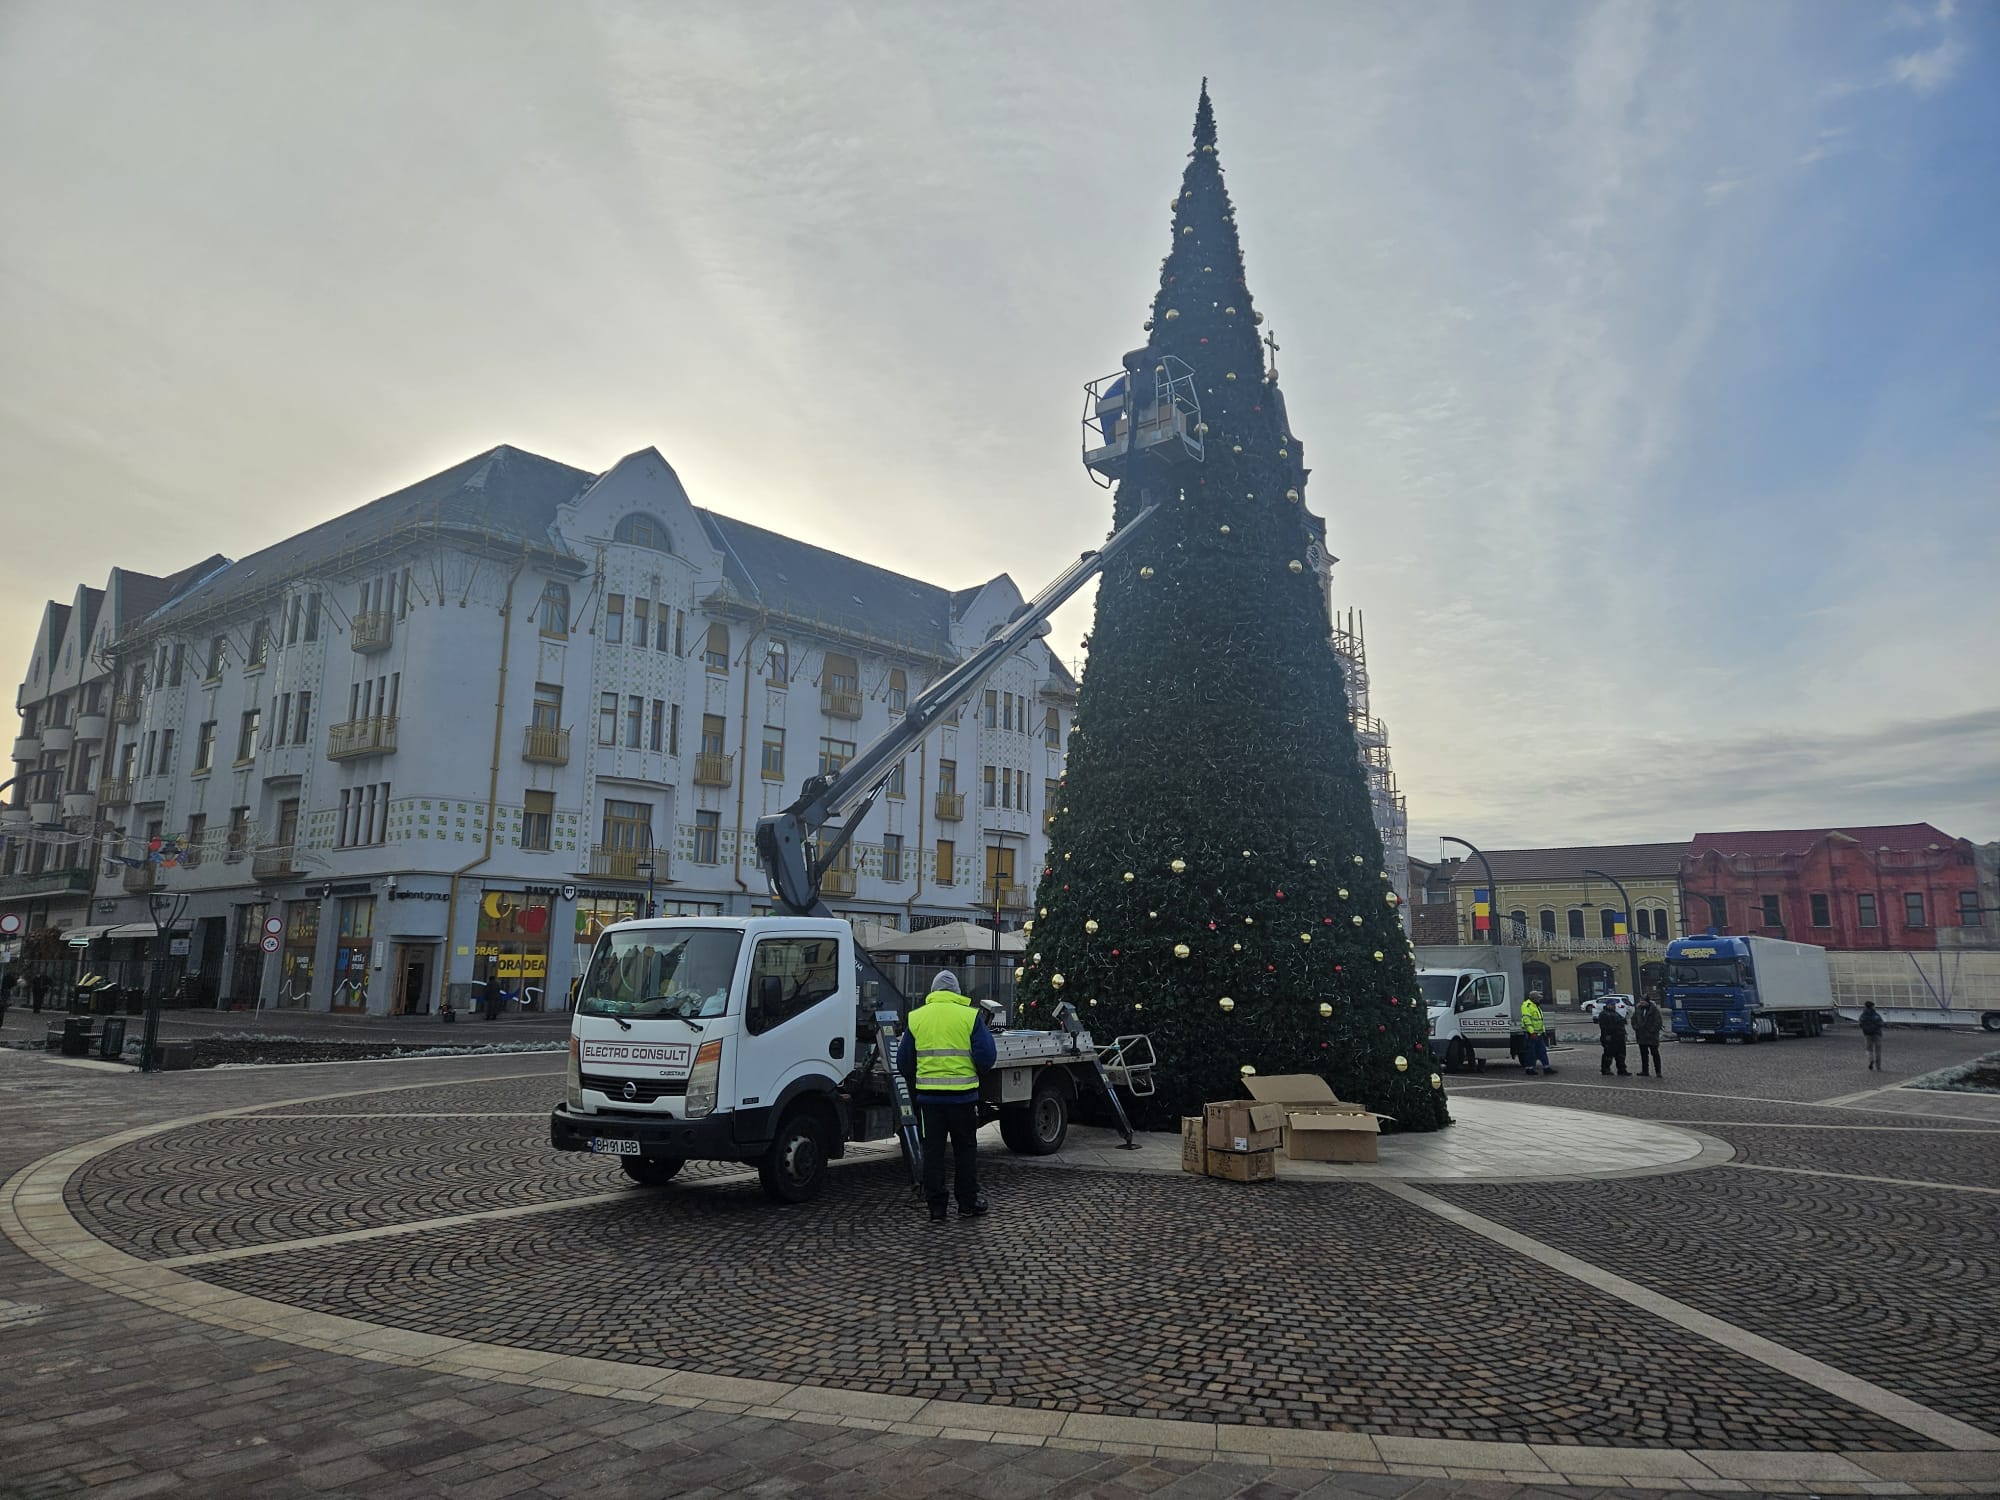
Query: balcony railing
{"points": [[623, 864], [1013, 897], [44, 883], [372, 631], [125, 708], [837, 704], [58, 737], [950, 806], [272, 862], [837, 883], [139, 879], [28, 747], [115, 791], [546, 746], [92, 726], [711, 769], [358, 737], [79, 804]]}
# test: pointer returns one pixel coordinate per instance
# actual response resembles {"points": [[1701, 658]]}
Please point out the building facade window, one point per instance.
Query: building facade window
{"points": [[1576, 922], [947, 860], [295, 972], [640, 530], [1718, 913], [892, 856], [834, 755], [715, 656], [778, 664], [546, 715], [773, 764], [656, 731], [1822, 909], [355, 938], [947, 778], [552, 613], [246, 736], [988, 785], [635, 717], [607, 719], [1770, 913], [218, 658], [989, 712], [614, 619], [204, 746], [1913, 909], [537, 819], [628, 827], [1865, 909], [1968, 908], [899, 691], [1548, 921], [707, 837], [896, 781], [1607, 922], [712, 731], [302, 718], [642, 622]]}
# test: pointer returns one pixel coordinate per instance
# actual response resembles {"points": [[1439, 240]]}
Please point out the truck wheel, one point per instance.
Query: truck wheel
{"points": [[651, 1171], [794, 1169], [1039, 1127], [1454, 1054], [1990, 1021]]}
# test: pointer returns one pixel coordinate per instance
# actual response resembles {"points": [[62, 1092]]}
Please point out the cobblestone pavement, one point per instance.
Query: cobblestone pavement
{"points": [[1329, 1313]]}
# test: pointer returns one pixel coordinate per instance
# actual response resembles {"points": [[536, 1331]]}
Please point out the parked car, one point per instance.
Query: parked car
{"points": [[1625, 1005]]}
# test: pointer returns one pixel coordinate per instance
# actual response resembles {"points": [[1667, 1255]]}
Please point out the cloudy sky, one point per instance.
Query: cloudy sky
{"points": [[1648, 356]]}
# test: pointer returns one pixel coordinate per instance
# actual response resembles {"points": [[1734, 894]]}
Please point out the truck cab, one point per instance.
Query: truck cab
{"points": [[715, 1038], [1472, 1016]]}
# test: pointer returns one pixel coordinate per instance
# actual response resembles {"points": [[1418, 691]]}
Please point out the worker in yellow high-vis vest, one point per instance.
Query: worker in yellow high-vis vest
{"points": [[942, 1052]]}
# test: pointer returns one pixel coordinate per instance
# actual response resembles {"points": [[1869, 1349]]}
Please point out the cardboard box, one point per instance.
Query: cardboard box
{"points": [[1244, 1166], [1242, 1125], [1318, 1126], [1194, 1145]]}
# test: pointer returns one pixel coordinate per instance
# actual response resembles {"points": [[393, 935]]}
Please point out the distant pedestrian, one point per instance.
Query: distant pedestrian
{"points": [[491, 998], [1535, 1042], [1871, 1032], [1647, 1023], [942, 1053], [1611, 1034], [38, 987]]}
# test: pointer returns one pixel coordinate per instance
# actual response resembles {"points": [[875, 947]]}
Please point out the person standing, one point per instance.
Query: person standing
{"points": [[1871, 1032], [942, 1052], [1535, 1049], [1611, 1034], [1647, 1023], [490, 997]]}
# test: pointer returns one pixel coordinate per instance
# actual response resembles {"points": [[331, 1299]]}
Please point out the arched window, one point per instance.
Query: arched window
{"points": [[1548, 921], [1607, 922], [552, 612], [1518, 920], [641, 530], [1576, 921]]}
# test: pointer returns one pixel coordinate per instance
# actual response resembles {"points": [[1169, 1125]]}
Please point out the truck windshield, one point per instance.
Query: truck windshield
{"points": [[683, 971], [1723, 971], [1438, 988]]}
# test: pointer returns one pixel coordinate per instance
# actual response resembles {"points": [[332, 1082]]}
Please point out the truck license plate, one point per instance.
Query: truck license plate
{"points": [[605, 1145]]}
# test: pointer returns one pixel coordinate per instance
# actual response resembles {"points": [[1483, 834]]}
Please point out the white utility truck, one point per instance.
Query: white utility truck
{"points": [[1474, 1015], [772, 1040], [1755, 988]]}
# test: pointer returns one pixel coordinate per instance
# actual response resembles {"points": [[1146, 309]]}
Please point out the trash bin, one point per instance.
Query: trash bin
{"points": [[76, 1037], [111, 1041]]}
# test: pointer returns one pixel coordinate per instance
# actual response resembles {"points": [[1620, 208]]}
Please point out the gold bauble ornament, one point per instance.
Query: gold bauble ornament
{"points": [[1314, 863], [1056, 981], [1146, 572], [1226, 1003], [1178, 866], [1390, 896], [1235, 447], [1296, 566], [1147, 326], [1228, 374], [1235, 947], [1378, 955], [1182, 950], [1402, 1065], [1256, 317], [1325, 1009], [1357, 919], [1229, 312], [1045, 910], [1201, 429], [1130, 876], [1293, 496], [1246, 853], [1065, 856], [1018, 973], [1247, 1070], [1189, 229], [1249, 921], [1027, 927], [1305, 937], [1138, 1005], [1093, 1000], [1170, 314], [1038, 958], [1225, 531], [1436, 1082], [1091, 927], [1208, 150], [1343, 896], [1152, 914], [1284, 453], [1357, 859]]}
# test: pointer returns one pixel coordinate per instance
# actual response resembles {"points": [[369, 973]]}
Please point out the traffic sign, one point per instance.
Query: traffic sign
{"points": [[271, 943], [274, 925], [10, 924]]}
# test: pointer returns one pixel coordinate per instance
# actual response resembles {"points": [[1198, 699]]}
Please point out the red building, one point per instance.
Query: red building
{"points": [[1840, 888]]}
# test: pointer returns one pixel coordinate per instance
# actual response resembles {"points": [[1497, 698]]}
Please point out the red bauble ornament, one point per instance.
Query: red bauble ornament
{"points": [[1114, 952], [1270, 968], [1381, 1028], [1326, 921], [1065, 887], [1211, 927], [1281, 895]]}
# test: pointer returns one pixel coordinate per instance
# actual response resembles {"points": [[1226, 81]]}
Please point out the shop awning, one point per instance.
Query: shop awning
{"points": [[79, 936], [127, 930]]}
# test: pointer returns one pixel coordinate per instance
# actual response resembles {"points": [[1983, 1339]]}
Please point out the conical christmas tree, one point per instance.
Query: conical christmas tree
{"points": [[1215, 877]]}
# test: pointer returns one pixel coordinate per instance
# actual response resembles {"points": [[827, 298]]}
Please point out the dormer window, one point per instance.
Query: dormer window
{"points": [[642, 531]]}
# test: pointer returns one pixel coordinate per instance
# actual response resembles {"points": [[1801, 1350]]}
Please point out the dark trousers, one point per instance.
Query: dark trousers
{"points": [[1614, 1052], [1650, 1051], [958, 1121]]}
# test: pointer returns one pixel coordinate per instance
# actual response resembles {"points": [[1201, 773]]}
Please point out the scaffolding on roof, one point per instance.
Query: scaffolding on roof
{"points": [[1371, 739]]}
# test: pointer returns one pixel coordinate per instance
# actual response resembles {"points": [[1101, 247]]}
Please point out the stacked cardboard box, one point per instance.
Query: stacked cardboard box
{"points": [[1317, 1125], [1236, 1140]]}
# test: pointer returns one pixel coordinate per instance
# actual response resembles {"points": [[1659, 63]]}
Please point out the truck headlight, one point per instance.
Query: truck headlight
{"points": [[575, 1073], [700, 1101]]}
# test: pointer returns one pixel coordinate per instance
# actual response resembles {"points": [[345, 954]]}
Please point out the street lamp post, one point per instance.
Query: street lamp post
{"points": [[1631, 937], [166, 911], [1492, 890]]}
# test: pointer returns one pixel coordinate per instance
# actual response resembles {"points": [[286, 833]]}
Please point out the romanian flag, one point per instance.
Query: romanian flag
{"points": [[1618, 931], [1482, 909]]}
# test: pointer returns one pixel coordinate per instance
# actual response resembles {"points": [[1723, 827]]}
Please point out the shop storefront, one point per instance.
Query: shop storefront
{"points": [[246, 958], [295, 969], [353, 946], [513, 945]]}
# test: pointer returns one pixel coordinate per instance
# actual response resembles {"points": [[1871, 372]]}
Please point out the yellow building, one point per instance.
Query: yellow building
{"points": [[1566, 920]]}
